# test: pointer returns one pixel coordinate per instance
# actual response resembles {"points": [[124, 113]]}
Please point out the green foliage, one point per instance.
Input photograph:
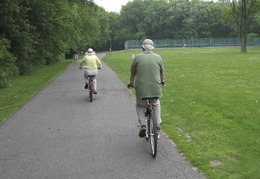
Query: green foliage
{"points": [[175, 19], [243, 13], [7, 60], [42, 32], [161, 19], [210, 106], [118, 38], [254, 26], [17, 29]]}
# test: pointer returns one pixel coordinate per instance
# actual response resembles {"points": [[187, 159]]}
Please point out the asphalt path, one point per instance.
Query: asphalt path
{"points": [[60, 134]]}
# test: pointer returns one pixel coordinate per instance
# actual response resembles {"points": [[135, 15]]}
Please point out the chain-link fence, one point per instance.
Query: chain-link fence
{"points": [[199, 42]]}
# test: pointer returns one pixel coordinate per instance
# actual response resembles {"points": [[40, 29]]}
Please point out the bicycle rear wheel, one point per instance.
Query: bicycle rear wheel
{"points": [[90, 96], [90, 91], [152, 132]]}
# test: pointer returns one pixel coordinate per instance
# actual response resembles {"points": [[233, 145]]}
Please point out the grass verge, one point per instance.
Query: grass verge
{"points": [[210, 106], [22, 88]]}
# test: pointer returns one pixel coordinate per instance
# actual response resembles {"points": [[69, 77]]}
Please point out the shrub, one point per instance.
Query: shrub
{"points": [[7, 61]]}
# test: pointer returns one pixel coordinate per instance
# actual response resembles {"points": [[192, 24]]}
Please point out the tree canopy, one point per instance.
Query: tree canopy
{"points": [[34, 33]]}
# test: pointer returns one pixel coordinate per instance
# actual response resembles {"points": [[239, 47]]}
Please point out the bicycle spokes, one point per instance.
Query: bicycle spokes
{"points": [[90, 88], [152, 135]]}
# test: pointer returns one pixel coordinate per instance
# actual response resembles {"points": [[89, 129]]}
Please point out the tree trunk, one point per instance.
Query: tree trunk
{"points": [[243, 26], [243, 36]]}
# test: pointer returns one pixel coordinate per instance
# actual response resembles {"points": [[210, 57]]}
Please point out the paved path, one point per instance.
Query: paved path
{"points": [[60, 134]]}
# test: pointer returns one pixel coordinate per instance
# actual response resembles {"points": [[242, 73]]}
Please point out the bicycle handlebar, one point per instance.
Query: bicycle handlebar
{"points": [[129, 85], [99, 68]]}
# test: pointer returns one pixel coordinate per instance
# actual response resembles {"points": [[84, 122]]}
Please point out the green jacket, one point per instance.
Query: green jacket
{"points": [[147, 68], [91, 62]]}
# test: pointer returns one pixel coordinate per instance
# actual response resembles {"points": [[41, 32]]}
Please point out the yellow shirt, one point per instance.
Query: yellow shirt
{"points": [[91, 62]]}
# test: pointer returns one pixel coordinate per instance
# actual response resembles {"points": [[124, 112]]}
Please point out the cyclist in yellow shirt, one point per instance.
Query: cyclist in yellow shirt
{"points": [[92, 64]]}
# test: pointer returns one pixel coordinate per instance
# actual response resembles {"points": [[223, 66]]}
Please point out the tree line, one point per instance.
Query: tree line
{"points": [[34, 33], [184, 19]]}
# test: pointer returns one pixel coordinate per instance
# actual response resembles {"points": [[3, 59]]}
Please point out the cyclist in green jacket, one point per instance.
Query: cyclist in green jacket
{"points": [[147, 76], [92, 64]]}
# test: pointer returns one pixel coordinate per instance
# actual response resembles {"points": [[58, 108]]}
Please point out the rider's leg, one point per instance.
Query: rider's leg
{"points": [[93, 73], [86, 76], [140, 105], [95, 83], [86, 79], [157, 112]]}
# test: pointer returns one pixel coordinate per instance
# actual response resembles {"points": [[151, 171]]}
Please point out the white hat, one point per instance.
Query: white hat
{"points": [[148, 41], [90, 52], [148, 44]]}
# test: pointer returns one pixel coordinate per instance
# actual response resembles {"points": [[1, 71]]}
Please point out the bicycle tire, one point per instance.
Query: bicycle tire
{"points": [[148, 130], [152, 131], [90, 91]]}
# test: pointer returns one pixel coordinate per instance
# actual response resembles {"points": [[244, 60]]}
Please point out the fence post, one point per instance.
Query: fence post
{"points": [[126, 46]]}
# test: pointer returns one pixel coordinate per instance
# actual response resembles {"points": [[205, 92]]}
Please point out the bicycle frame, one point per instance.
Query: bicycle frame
{"points": [[148, 111], [151, 134]]}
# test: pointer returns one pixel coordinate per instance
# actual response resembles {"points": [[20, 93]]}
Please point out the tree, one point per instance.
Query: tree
{"points": [[16, 28], [104, 30], [132, 19], [154, 23], [254, 28], [242, 12], [7, 61], [115, 27]]}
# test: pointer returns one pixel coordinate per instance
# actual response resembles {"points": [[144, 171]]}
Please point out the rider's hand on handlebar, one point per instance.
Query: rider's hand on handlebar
{"points": [[163, 83], [129, 85]]}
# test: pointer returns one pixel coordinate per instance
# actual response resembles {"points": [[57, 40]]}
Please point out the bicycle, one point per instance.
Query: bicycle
{"points": [[90, 85], [152, 134]]}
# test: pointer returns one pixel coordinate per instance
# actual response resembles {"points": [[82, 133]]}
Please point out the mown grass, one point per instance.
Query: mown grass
{"points": [[22, 88], [210, 106]]}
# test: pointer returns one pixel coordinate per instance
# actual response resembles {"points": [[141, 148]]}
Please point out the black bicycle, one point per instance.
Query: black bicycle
{"points": [[152, 134]]}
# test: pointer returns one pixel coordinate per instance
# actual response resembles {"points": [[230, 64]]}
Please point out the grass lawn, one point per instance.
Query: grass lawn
{"points": [[210, 106], [22, 88]]}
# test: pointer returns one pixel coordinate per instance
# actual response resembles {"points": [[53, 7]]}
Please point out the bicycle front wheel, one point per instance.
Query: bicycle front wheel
{"points": [[152, 135]]}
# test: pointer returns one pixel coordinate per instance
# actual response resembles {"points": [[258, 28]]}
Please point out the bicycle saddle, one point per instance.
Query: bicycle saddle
{"points": [[150, 98]]}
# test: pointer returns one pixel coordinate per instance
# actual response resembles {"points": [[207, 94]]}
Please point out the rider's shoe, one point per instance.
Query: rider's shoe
{"points": [[86, 86], [158, 131], [142, 131], [95, 92], [158, 128]]}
